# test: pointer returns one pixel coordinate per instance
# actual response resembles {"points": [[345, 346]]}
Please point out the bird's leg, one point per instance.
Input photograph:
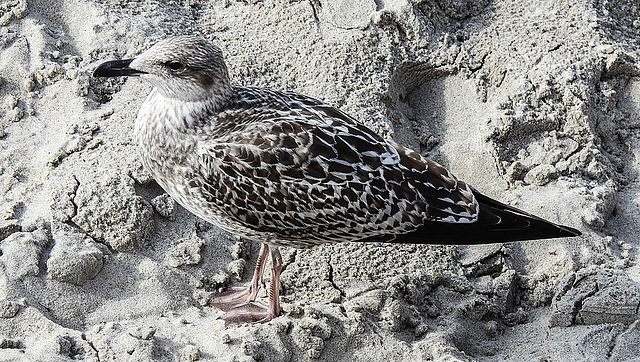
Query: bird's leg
{"points": [[237, 296], [274, 297], [255, 312]]}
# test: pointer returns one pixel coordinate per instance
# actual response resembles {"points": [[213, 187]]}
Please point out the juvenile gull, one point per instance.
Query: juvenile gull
{"points": [[288, 170]]}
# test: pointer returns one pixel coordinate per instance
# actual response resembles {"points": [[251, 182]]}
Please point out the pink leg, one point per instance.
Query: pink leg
{"points": [[254, 312], [274, 298], [238, 296]]}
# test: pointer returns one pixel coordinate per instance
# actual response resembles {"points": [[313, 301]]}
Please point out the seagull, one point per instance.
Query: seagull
{"points": [[287, 170]]}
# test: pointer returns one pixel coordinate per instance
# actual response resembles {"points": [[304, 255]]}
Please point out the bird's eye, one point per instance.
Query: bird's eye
{"points": [[175, 66]]}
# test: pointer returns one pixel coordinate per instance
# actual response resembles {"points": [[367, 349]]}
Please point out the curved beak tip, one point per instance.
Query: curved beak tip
{"points": [[116, 68]]}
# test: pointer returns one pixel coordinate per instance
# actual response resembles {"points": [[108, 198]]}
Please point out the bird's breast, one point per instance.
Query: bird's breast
{"points": [[166, 146]]}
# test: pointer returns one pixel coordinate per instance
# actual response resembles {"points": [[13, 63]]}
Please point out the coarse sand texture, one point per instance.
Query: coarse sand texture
{"points": [[534, 103]]}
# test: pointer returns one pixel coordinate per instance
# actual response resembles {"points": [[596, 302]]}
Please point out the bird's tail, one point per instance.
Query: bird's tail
{"points": [[497, 223]]}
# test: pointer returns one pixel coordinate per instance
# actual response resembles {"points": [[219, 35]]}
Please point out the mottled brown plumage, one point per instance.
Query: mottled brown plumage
{"points": [[288, 170]]}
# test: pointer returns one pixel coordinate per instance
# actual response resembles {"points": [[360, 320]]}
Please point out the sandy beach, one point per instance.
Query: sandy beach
{"points": [[535, 103]]}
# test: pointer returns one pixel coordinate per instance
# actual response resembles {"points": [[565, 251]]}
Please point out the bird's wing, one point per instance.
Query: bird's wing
{"points": [[308, 171]]}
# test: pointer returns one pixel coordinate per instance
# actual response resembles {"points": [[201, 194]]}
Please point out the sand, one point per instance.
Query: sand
{"points": [[536, 103]]}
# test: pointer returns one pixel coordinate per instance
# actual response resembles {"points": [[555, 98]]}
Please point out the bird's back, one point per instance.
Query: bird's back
{"points": [[293, 170]]}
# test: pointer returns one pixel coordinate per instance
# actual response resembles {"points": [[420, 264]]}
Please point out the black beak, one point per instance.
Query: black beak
{"points": [[116, 68]]}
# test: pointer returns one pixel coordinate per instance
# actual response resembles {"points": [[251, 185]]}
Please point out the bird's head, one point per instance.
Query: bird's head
{"points": [[186, 68]]}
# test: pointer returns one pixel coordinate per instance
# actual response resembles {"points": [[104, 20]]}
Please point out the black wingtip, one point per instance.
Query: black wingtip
{"points": [[116, 68], [497, 223], [514, 224], [569, 231]]}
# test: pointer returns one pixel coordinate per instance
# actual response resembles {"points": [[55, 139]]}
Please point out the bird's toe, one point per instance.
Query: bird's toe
{"points": [[231, 298], [250, 313]]}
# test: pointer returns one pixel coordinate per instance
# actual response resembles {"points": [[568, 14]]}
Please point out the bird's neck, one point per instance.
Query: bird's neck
{"points": [[164, 131], [164, 116]]}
